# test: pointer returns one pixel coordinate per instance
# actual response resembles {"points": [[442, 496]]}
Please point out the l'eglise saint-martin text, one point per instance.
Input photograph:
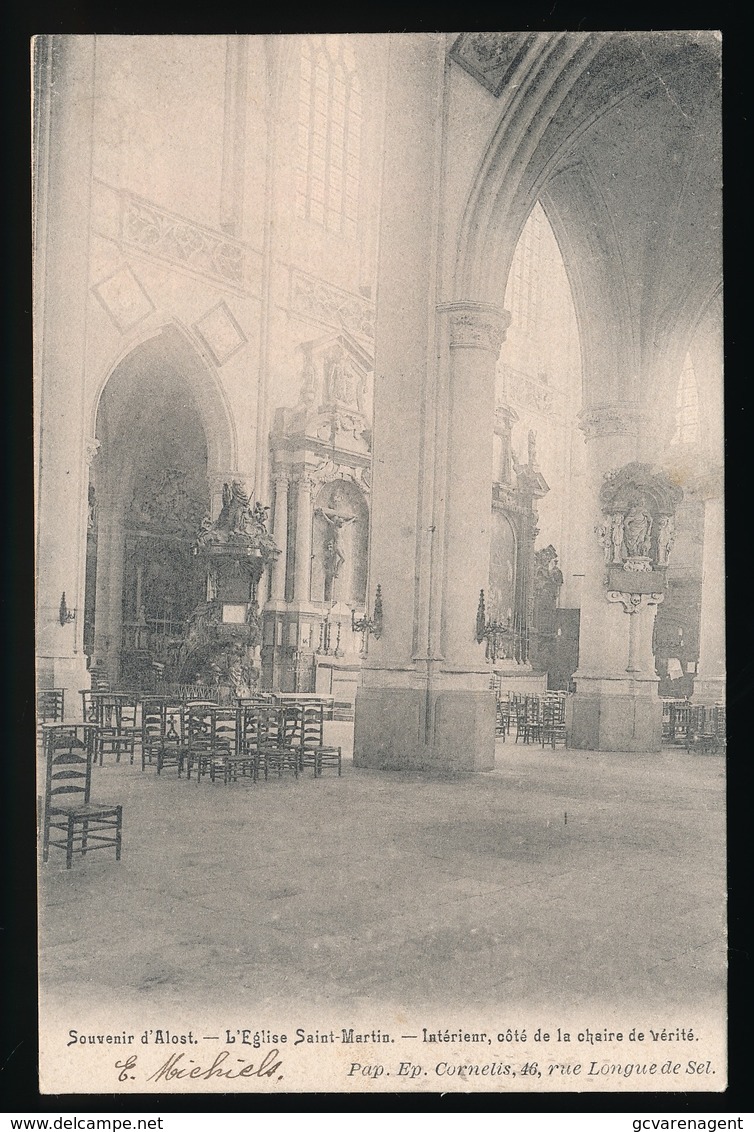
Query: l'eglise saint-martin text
{"points": [[346, 1036]]}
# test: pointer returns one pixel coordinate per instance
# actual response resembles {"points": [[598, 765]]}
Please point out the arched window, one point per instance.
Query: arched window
{"points": [[329, 135], [523, 291], [686, 406]]}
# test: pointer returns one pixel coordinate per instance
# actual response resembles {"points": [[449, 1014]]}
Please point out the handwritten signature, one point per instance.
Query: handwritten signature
{"points": [[180, 1067]]}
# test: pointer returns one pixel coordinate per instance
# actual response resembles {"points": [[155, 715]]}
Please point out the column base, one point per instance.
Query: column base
{"points": [[709, 690], [619, 715], [69, 673], [404, 728]]}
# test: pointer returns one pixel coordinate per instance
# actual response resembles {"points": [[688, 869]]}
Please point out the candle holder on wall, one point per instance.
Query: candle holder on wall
{"points": [[372, 624], [66, 615], [505, 640]]}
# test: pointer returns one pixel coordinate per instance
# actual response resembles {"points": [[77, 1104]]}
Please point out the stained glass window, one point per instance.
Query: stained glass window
{"points": [[329, 135]]}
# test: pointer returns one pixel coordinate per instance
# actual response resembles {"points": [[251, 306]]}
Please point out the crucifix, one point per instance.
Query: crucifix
{"points": [[333, 557]]}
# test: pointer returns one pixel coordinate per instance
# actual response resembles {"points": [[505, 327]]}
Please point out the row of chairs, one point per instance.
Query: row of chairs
{"points": [[697, 727], [210, 740], [250, 740], [533, 718]]}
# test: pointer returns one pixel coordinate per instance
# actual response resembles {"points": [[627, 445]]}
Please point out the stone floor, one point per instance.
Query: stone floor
{"points": [[560, 877]]}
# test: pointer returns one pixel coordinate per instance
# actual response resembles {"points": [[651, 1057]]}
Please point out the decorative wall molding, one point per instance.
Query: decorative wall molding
{"points": [[328, 471], [331, 306], [124, 298], [162, 234], [491, 57], [529, 392], [220, 331], [611, 420], [634, 603]]}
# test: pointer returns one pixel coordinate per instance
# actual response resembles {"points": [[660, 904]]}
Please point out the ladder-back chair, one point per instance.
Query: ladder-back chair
{"points": [[71, 821]]}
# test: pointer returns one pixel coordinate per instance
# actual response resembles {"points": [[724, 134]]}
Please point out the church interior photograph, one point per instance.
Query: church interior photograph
{"points": [[380, 627]]}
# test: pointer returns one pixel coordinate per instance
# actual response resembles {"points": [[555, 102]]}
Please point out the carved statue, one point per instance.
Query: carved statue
{"points": [[236, 503], [665, 539], [333, 556], [342, 384], [617, 531], [547, 571], [637, 531], [259, 515], [603, 533]]}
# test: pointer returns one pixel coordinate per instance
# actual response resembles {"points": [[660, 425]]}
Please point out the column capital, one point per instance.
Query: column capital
{"points": [[477, 326], [281, 480], [303, 480], [622, 418]]}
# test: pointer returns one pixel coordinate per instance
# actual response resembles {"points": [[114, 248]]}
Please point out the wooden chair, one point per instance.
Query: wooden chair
{"points": [[50, 708], [71, 820], [677, 720], [117, 725], [50, 705], [266, 735], [530, 720], [212, 739], [706, 731], [91, 705], [310, 741], [553, 719], [172, 749], [152, 726], [502, 718]]}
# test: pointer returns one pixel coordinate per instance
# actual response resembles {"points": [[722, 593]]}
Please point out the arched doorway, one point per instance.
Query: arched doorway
{"points": [[163, 431]]}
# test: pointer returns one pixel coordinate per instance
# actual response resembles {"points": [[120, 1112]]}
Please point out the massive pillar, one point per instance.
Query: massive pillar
{"points": [[425, 699], [709, 685], [64, 83], [616, 706]]}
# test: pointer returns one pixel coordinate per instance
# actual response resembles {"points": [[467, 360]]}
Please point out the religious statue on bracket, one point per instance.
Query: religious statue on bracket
{"points": [[637, 527]]}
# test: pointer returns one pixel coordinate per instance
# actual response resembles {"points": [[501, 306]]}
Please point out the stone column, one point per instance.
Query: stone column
{"points": [[475, 335], [424, 700], [280, 534], [64, 83], [709, 685], [302, 572], [616, 706]]}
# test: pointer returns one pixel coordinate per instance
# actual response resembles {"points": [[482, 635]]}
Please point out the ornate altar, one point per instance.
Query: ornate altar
{"points": [[321, 460], [507, 612], [637, 531]]}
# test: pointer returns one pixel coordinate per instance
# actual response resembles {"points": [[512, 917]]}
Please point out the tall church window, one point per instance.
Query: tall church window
{"points": [[686, 406], [523, 292], [329, 135]]}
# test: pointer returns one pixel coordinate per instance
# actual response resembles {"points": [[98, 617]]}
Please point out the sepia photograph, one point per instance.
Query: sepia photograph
{"points": [[380, 562]]}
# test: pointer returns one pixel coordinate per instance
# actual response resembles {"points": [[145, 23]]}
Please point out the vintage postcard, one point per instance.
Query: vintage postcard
{"points": [[380, 562]]}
